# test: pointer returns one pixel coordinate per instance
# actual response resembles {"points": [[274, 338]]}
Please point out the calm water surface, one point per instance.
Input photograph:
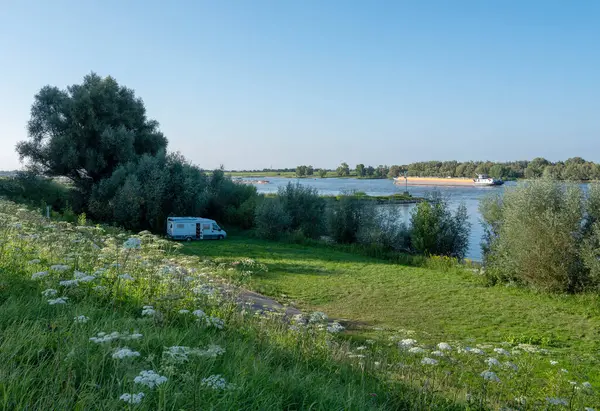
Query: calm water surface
{"points": [[470, 196]]}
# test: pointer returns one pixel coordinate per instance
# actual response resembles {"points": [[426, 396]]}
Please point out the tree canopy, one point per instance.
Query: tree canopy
{"points": [[88, 130]]}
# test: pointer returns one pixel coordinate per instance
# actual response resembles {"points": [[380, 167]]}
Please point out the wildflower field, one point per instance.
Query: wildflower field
{"points": [[96, 318], [448, 331]]}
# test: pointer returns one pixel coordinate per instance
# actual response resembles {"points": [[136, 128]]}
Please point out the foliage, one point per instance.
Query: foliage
{"points": [[322, 173], [88, 131], [436, 231], [37, 191], [360, 170], [87, 311], [347, 216], [543, 234], [272, 220], [305, 208], [343, 170]]}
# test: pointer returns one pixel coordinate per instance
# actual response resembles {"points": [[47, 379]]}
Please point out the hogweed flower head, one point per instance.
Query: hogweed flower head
{"points": [[493, 362], [501, 351], [335, 327], [37, 276], [59, 267], [216, 382], [132, 398], [132, 244], [81, 319], [150, 379], [125, 352], [429, 361], [444, 346], [557, 401], [126, 277], [50, 292], [148, 310], [490, 376], [59, 300]]}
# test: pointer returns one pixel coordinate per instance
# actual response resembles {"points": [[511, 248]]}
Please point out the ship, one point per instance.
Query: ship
{"points": [[485, 180]]}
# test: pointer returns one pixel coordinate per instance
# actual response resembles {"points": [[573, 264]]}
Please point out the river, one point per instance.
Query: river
{"points": [[468, 195]]}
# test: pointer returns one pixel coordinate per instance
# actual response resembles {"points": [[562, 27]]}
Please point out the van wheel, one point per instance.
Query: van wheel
{"points": [[221, 237], [188, 239]]}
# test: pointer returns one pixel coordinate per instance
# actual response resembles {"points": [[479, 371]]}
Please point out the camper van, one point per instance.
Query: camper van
{"points": [[194, 228]]}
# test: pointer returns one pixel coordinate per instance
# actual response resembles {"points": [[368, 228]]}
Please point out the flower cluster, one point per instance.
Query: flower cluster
{"points": [[150, 379]]}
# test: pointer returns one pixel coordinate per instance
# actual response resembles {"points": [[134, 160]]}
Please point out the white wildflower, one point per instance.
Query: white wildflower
{"points": [[135, 336], [148, 310], [216, 382], [102, 337], [589, 409], [586, 385], [132, 244], [59, 300], [552, 362], [508, 364], [493, 362], [212, 351], [150, 379], [41, 274], [132, 398], [437, 353], [78, 275], [184, 311], [429, 361], [215, 322], [407, 343], [99, 288], [362, 347], [34, 261], [125, 352], [564, 371], [199, 313], [50, 292], [501, 351], [69, 283], [335, 327], [444, 346], [317, 317], [126, 277], [477, 351], [177, 354], [81, 319], [490, 376], [416, 350], [557, 401], [59, 267]]}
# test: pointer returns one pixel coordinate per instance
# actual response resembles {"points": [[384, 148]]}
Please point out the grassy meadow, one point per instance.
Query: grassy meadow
{"points": [[97, 318], [552, 339]]}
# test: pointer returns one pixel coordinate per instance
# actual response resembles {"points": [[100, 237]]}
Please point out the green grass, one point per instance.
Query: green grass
{"points": [[451, 304], [49, 363]]}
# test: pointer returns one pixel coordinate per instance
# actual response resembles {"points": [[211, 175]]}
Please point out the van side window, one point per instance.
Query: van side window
{"points": [[180, 225], [206, 226]]}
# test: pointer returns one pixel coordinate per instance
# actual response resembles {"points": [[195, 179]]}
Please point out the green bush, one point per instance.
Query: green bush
{"points": [[347, 216], [272, 220], [436, 231], [543, 234], [305, 208]]}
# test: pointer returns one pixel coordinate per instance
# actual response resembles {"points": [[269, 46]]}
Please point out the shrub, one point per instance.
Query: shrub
{"points": [[305, 208], [347, 216], [272, 220], [435, 230], [536, 234]]}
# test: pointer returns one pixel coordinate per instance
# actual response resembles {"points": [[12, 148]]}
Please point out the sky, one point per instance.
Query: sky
{"points": [[259, 84]]}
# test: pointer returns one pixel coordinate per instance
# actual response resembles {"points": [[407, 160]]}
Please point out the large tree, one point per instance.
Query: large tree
{"points": [[88, 130]]}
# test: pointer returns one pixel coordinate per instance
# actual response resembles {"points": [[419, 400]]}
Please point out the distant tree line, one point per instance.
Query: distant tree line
{"points": [[573, 169]]}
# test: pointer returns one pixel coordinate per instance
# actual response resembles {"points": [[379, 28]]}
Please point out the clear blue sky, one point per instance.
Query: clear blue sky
{"points": [[253, 84]]}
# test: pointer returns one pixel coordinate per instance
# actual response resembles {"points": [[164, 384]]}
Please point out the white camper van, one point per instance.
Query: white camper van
{"points": [[194, 228]]}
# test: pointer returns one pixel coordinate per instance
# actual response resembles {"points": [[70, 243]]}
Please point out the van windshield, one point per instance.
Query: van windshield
{"points": [[216, 227]]}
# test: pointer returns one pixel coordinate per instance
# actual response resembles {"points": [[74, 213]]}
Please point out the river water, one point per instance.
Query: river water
{"points": [[468, 195]]}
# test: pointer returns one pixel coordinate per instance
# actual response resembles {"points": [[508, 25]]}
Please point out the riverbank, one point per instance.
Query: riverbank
{"points": [[382, 199]]}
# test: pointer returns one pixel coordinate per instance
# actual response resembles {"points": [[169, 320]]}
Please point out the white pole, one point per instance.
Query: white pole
{"points": [[48, 212]]}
